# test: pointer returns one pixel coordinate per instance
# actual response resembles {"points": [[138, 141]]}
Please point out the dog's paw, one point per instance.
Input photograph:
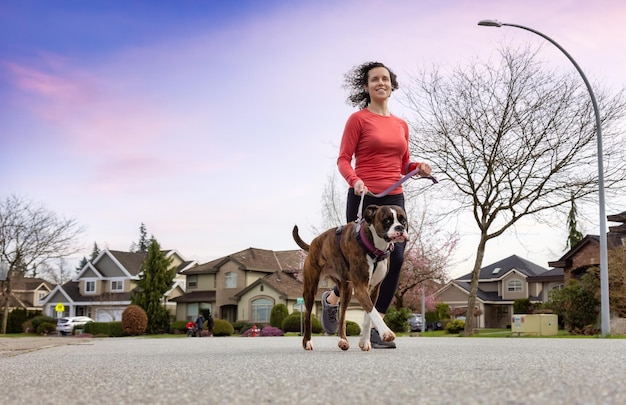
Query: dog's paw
{"points": [[307, 345], [388, 336], [343, 344], [365, 345]]}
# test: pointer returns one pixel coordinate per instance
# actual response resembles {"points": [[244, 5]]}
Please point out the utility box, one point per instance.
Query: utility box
{"points": [[535, 325]]}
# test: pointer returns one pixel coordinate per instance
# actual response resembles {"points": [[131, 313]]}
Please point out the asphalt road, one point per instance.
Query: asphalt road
{"points": [[276, 370]]}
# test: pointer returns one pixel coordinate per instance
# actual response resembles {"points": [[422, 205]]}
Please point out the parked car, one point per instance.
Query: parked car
{"points": [[65, 326], [437, 325], [415, 322]]}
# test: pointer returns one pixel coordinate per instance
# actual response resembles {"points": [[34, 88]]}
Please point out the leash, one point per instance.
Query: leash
{"points": [[393, 187]]}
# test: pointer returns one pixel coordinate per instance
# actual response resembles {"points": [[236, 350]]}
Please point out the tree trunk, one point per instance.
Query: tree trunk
{"points": [[5, 310], [471, 302]]}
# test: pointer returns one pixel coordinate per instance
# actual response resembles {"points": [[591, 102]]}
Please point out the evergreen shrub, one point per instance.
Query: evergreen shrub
{"points": [[278, 315], [134, 320], [222, 327]]}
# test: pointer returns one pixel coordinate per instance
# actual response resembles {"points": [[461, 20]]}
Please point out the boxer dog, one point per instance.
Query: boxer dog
{"points": [[355, 257]]}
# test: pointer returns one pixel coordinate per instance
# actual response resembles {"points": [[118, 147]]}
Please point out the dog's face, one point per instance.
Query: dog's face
{"points": [[389, 221]]}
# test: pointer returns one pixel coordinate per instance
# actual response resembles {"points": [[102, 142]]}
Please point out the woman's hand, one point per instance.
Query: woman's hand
{"points": [[425, 169], [360, 188]]}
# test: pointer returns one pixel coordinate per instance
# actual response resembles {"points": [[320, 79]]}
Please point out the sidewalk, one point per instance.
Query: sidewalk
{"points": [[16, 345]]}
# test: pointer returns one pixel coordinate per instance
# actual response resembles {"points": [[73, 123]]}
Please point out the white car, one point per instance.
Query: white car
{"points": [[65, 326]]}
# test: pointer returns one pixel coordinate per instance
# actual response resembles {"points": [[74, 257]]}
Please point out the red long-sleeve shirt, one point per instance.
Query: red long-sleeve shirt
{"points": [[380, 146]]}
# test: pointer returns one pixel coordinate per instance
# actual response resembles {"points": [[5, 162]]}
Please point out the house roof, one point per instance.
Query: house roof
{"points": [[500, 268], [132, 262], [284, 282], [253, 259], [196, 296], [29, 284]]}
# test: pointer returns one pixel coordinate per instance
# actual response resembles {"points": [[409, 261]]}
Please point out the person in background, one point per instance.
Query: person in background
{"points": [[199, 324], [378, 141]]}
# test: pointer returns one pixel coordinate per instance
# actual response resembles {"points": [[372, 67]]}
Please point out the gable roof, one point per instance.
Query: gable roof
{"points": [[261, 260], [498, 269], [283, 282]]}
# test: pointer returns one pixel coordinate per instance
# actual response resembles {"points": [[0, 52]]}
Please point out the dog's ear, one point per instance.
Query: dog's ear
{"points": [[369, 213]]}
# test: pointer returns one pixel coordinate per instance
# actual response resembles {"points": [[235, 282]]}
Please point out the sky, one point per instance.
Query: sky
{"points": [[217, 123]]}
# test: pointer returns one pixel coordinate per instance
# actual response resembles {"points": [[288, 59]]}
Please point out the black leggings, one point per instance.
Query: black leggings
{"points": [[390, 283]]}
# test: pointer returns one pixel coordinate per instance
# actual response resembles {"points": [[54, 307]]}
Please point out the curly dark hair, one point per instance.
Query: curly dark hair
{"points": [[356, 81]]}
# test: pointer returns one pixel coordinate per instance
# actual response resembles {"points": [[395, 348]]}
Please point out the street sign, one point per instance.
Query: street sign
{"points": [[300, 301], [60, 307]]}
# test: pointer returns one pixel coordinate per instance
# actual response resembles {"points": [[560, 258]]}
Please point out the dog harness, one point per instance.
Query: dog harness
{"points": [[371, 250]]}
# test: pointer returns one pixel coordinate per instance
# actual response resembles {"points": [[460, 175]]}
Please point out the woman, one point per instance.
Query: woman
{"points": [[379, 143]]}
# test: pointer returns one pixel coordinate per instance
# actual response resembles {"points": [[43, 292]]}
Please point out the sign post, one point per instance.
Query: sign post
{"points": [[300, 303]]}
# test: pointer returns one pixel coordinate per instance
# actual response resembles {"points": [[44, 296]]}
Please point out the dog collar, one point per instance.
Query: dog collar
{"points": [[365, 243]]}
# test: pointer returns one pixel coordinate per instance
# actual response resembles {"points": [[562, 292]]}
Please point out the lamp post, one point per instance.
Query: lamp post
{"points": [[604, 269]]}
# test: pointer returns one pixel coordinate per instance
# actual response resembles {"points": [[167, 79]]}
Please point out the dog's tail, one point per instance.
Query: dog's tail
{"points": [[299, 240]]}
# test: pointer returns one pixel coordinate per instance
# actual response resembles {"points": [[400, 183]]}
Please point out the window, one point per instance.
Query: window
{"points": [[230, 280], [117, 285], [192, 280], [261, 310], [90, 287], [514, 286], [41, 295]]}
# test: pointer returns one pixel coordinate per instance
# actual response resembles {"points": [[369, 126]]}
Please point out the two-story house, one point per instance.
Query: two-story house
{"points": [[242, 286], [103, 287], [499, 285]]}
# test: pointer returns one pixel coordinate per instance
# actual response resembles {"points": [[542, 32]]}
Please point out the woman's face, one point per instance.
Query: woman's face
{"points": [[378, 84]]}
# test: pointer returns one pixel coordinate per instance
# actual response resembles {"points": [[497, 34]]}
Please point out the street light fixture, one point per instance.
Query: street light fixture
{"points": [[604, 269]]}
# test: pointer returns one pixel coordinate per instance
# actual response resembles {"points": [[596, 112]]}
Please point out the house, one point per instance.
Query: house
{"points": [[243, 286], [103, 287], [586, 253], [499, 285], [27, 293]]}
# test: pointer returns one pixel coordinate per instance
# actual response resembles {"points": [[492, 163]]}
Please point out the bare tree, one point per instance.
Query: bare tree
{"points": [[428, 255], [511, 141], [30, 235], [56, 273]]}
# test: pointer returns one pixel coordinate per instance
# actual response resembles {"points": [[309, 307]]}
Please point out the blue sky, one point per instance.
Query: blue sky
{"points": [[216, 123]]}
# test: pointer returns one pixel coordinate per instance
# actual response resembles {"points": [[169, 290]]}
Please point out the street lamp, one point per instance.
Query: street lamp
{"points": [[604, 269]]}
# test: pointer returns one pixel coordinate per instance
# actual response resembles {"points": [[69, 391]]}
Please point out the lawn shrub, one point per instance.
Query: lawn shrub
{"points": [[272, 331], [178, 327], [278, 315], [352, 328], [38, 320], [134, 320], [397, 319], [241, 326], [116, 329], [222, 327], [455, 326], [46, 328], [292, 323]]}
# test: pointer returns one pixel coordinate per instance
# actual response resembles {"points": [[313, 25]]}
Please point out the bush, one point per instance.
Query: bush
{"points": [[278, 315], [576, 304], [292, 323], [222, 327], [272, 331], [116, 329], [522, 306], [16, 319], [397, 319], [455, 326], [352, 328], [178, 327], [38, 320], [241, 326], [134, 320], [46, 328]]}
